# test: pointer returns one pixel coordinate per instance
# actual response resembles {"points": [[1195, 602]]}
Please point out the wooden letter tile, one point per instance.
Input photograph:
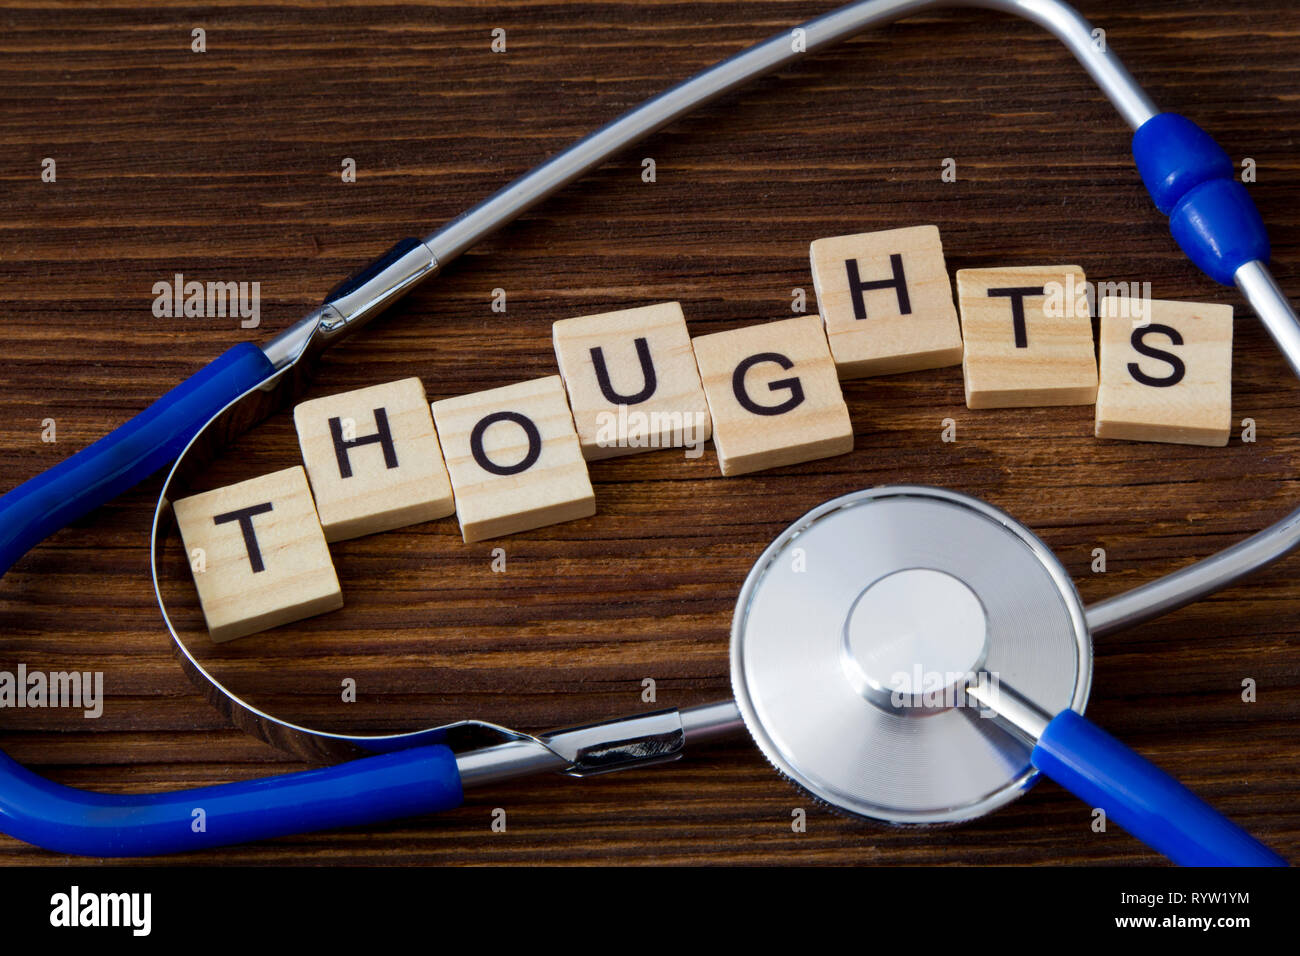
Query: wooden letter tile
{"points": [[258, 554], [773, 394], [373, 459], [1166, 371], [1028, 337], [514, 459], [632, 381], [886, 301]]}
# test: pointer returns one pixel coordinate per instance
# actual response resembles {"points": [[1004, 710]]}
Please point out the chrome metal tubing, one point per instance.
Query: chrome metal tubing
{"points": [[779, 51], [508, 761], [355, 301], [397, 276], [1274, 310], [1195, 581], [530, 755], [710, 722], [1010, 708], [1218, 571]]}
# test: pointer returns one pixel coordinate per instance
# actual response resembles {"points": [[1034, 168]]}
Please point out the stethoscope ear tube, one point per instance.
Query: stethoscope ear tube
{"points": [[1142, 798], [411, 782], [124, 457], [406, 783]]}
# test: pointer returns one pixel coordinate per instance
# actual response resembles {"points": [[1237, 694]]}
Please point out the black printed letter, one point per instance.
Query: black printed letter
{"points": [[245, 518], [1017, 295], [898, 283], [530, 430], [647, 372], [1139, 346], [747, 403], [381, 435]]}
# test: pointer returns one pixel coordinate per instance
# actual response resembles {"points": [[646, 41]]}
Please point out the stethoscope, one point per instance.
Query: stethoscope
{"points": [[904, 654]]}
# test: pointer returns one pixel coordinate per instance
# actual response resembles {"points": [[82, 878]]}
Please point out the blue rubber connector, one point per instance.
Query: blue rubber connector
{"points": [[1142, 798], [1194, 182]]}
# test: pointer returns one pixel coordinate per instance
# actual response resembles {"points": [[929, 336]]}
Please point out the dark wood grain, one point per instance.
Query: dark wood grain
{"points": [[225, 166]]}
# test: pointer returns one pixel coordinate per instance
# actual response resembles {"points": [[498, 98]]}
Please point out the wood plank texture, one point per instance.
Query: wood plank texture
{"points": [[225, 166]]}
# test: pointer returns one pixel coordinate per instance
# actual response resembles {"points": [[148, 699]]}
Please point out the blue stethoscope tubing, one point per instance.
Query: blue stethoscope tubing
{"points": [[405, 783], [1190, 178], [1136, 794]]}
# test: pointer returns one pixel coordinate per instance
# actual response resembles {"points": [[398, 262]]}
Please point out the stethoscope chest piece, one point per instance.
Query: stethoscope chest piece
{"points": [[861, 625]]}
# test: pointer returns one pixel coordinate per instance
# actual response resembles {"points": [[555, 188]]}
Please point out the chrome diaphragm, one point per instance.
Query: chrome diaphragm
{"points": [[861, 625]]}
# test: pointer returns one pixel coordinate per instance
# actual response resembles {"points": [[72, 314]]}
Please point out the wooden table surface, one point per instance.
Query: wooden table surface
{"points": [[225, 166]]}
